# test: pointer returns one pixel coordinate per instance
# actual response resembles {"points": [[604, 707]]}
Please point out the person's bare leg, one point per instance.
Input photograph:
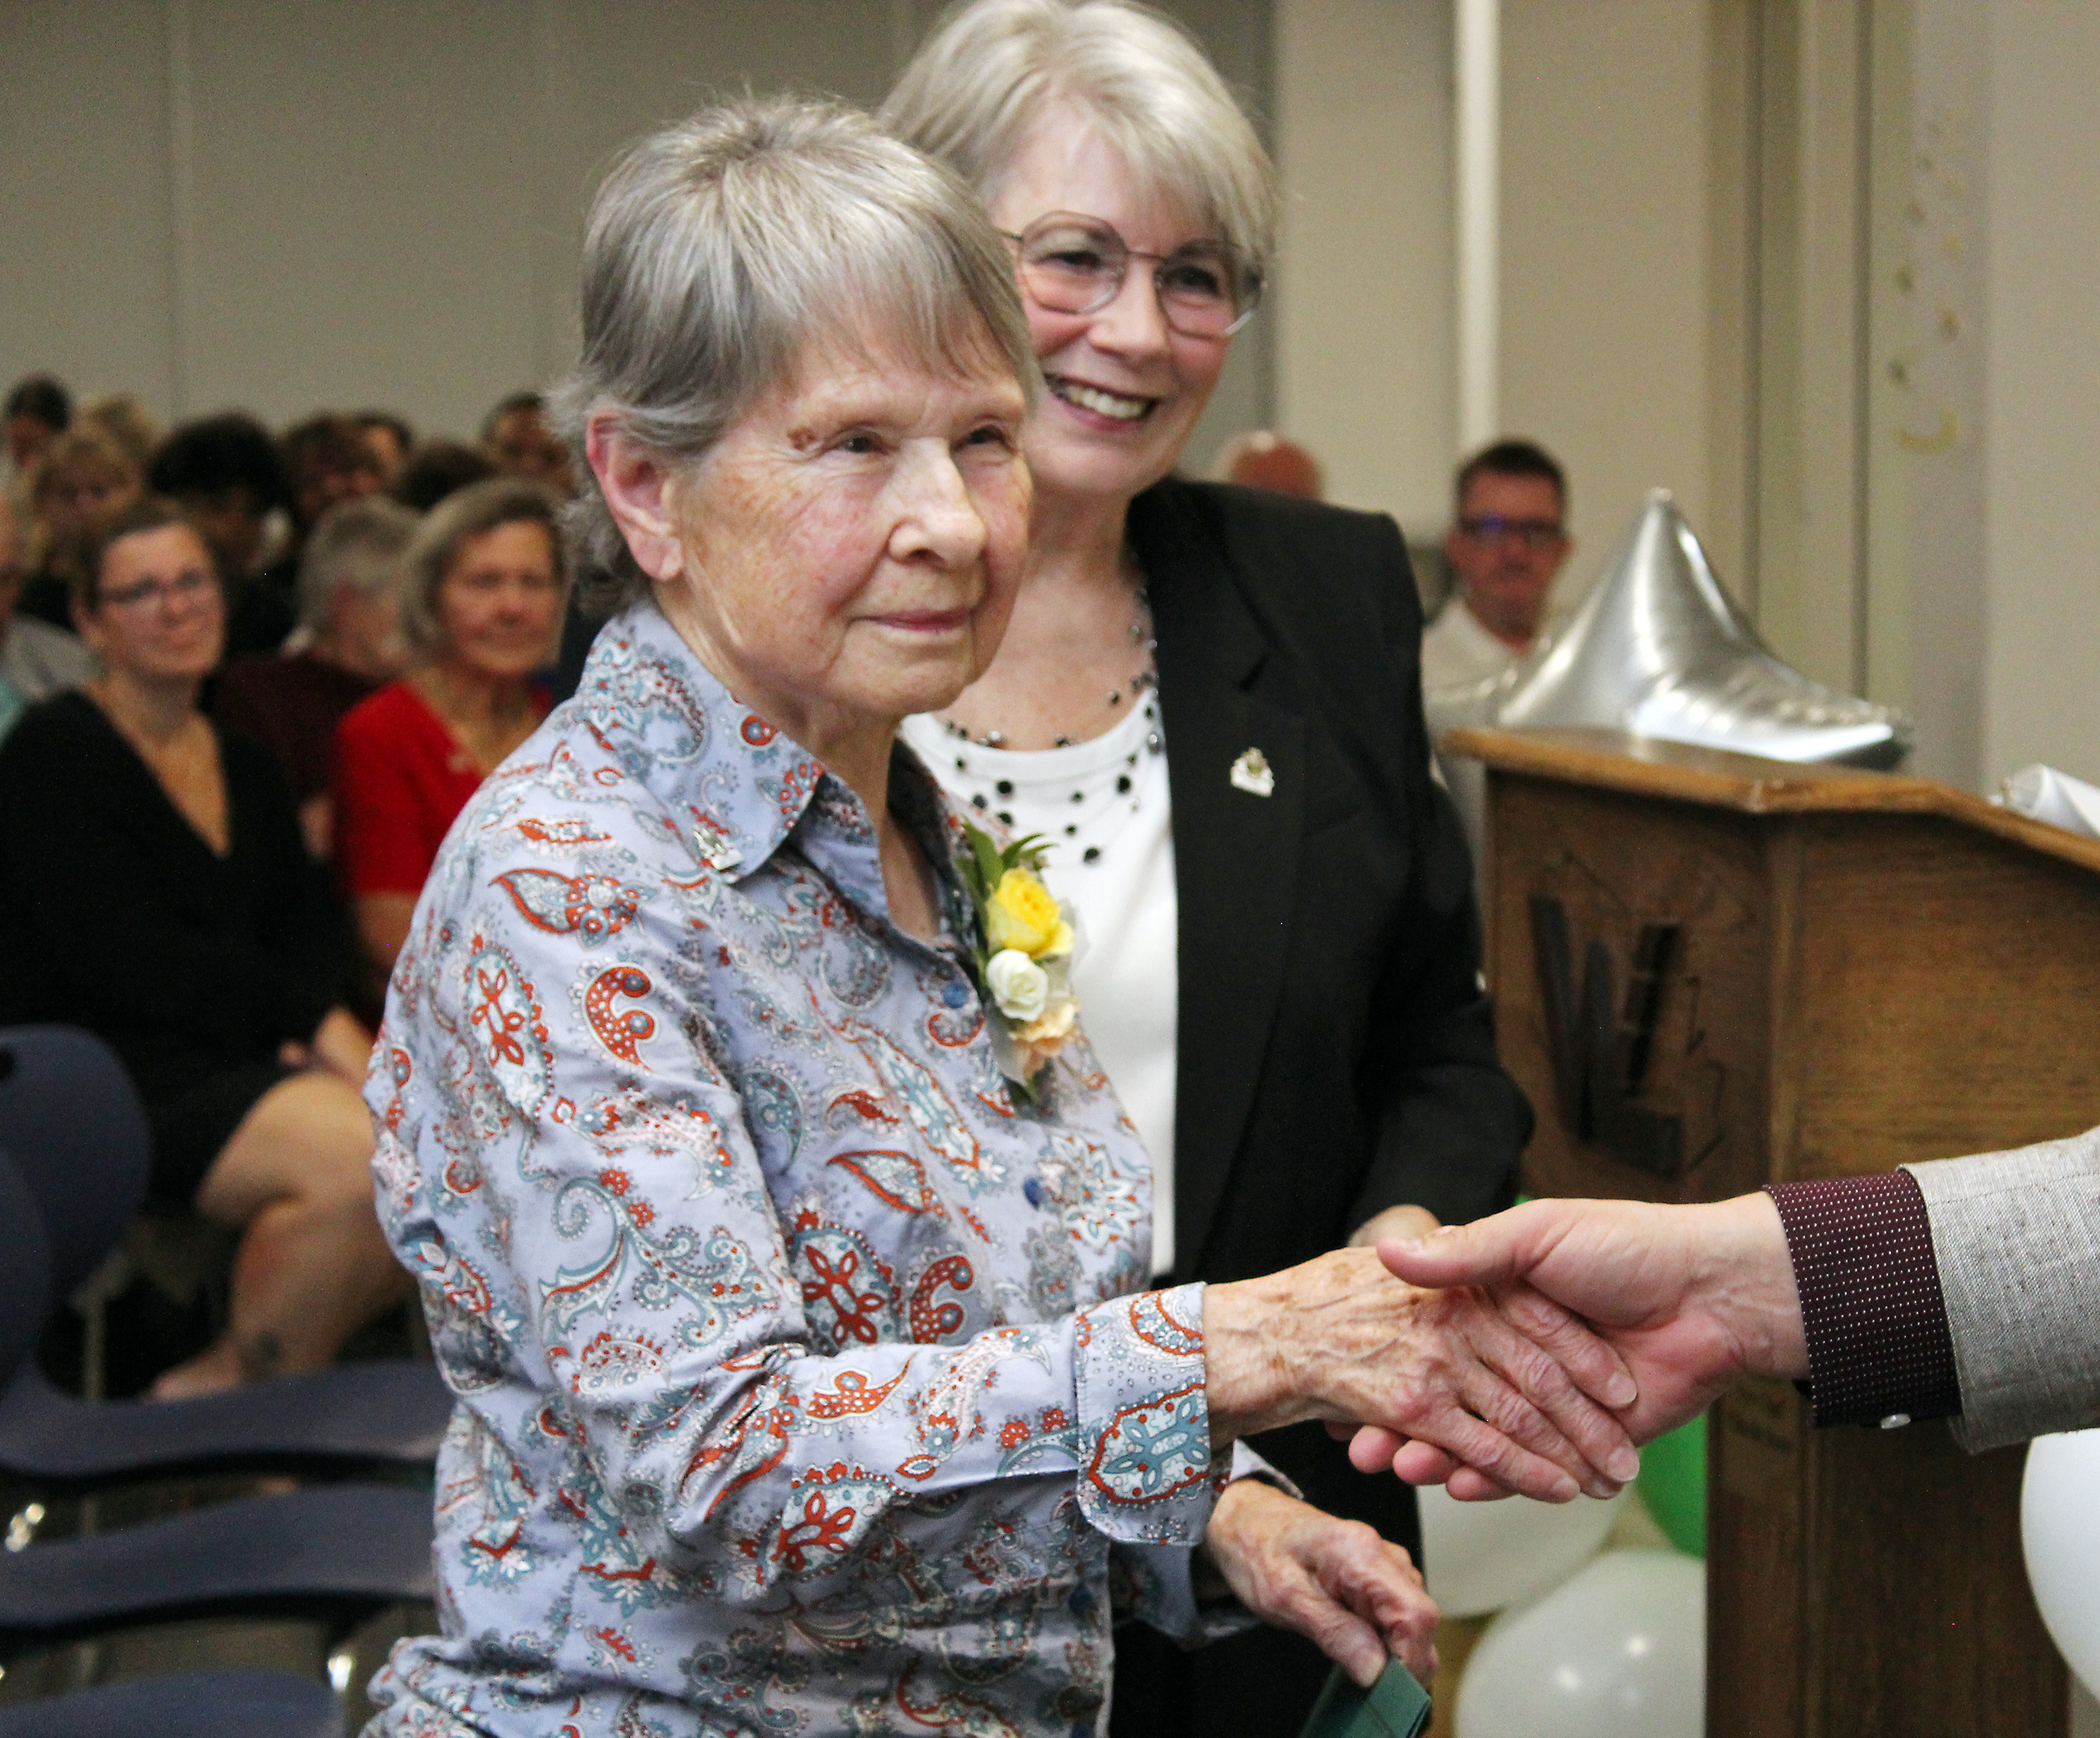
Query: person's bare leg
{"points": [[312, 1268]]}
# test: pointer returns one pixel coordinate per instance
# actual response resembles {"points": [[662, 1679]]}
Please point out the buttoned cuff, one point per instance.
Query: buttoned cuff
{"points": [[1879, 1350]]}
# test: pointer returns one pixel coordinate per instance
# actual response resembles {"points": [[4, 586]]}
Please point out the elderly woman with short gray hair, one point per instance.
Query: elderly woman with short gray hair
{"points": [[788, 1270], [484, 583]]}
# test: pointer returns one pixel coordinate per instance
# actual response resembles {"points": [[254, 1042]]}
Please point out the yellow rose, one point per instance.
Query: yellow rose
{"points": [[1022, 915]]}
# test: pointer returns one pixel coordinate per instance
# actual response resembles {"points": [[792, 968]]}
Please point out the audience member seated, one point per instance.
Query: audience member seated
{"points": [[159, 896], [347, 643], [224, 473], [518, 436], [390, 440], [438, 468], [36, 413], [1510, 541], [124, 419], [36, 660], [81, 479], [327, 459], [1261, 459], [483, 589]]}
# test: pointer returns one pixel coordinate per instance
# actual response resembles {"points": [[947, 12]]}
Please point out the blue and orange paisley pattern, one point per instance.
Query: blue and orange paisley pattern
{"points": [[805, 1382]]}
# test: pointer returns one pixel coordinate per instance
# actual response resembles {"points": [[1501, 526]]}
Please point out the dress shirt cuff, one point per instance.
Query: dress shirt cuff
{"points": [[1147, 1474], [1879, 1349]]}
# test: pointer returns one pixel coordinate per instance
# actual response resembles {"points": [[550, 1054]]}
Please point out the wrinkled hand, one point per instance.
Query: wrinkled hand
{"points": [[1690, 1297], [1357, 1597], [1338, 1339]]}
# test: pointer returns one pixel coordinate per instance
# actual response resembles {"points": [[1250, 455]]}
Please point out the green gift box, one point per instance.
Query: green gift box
{"points": [[1396, 1706]]}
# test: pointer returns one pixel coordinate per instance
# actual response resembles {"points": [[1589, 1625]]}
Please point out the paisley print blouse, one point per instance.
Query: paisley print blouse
{"points": [[806, 1382]]}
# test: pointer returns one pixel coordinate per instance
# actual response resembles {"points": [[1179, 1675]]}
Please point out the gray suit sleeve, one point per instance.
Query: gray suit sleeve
{"points": [[2016, 1236]]}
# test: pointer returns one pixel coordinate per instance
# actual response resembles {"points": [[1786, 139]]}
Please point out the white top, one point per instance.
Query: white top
{"points": [[40, 659], [1103, 806], [1458, 650]]}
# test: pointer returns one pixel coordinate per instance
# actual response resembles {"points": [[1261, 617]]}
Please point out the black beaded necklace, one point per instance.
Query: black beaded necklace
{"points": [[1143, 682]]}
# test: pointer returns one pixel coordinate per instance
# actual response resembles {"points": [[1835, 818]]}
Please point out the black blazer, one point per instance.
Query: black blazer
{"points": [[1335, 1051]]}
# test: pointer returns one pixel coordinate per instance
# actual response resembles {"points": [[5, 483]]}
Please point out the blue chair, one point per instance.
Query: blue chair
{"points": [[185, 1705], [72, 1127], [343, 1546]]}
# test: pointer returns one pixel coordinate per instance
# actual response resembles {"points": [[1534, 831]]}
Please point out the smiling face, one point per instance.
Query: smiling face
{"points": [[848, 552], [499, 608], [159, 615], [1126, 389]]}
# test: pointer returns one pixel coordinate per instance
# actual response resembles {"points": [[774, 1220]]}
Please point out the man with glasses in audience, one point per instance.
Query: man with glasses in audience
{"points": [[1509, 544]]}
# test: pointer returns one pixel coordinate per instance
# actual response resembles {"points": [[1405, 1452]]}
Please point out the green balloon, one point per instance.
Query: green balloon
{"points": [[1673, 1484]]}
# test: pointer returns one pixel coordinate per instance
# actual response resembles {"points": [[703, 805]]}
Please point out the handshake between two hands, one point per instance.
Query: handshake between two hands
{"points": [[1527, 1354], [1624, 1319]]}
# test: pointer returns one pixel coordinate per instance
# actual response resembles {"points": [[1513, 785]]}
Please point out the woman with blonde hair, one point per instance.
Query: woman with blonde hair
{"points": [[1209, 701], [82, 479]]}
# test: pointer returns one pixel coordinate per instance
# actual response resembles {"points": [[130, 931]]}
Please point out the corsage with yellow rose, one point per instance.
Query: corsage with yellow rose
{"points": [[1024, 941]]}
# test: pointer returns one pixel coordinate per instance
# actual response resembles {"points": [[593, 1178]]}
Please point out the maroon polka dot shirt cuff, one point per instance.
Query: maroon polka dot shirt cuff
{"points": [[1879, 1352]]}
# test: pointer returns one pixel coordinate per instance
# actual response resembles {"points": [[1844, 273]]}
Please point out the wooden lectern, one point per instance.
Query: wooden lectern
{"points": [[1711, 971]]}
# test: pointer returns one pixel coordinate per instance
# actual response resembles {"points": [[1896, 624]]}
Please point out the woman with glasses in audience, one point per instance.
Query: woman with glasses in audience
{"points": [[485, 581], [158, 895], [1209, 701]]}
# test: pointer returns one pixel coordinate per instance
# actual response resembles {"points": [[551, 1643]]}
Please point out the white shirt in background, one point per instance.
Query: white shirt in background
{"points": [[1458, 651], [1107, 796]]}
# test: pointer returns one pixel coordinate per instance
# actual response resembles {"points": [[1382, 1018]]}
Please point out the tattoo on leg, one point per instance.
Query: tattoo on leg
{"points": [[261, 1354]]}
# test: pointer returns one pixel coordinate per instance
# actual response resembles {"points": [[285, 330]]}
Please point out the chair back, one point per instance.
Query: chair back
{"points": [[26, 1293], [74, 1129]]}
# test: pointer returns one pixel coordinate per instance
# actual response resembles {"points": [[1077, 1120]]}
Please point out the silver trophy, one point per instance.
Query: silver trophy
{"points": [[1659, 649]]}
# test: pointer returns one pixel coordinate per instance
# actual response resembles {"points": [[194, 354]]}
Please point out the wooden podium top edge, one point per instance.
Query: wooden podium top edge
{"points": [[1650, 766]]}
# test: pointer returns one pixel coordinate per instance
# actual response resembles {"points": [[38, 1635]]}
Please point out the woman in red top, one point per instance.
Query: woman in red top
{"points": [[487, 581]]}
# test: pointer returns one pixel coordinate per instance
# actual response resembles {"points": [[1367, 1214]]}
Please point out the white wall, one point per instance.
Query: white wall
{"points": [[2042, 415], [286, 204], [1610, 305], [1606, 284], [1363, 309]]}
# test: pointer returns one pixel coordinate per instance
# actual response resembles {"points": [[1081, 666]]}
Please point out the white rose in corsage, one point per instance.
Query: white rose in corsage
{"points": [[1024, 951]]}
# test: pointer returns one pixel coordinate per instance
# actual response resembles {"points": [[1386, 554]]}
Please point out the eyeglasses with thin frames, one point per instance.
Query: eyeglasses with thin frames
{"points": [[1533, 534], [185, 588], [1075, 264]]}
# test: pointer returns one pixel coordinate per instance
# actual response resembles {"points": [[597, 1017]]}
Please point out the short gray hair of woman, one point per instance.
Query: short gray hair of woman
{"points": [[357, 543], [992, 69], [721, 251], [464, 513]]}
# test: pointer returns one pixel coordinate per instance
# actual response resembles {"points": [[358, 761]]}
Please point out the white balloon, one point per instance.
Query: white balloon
{"points": [[1479, 1557], [1619, 1650], [2060, 1529]]}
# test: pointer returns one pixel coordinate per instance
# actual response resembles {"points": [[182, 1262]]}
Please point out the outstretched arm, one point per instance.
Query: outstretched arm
{"points": [[1527, 1396], [1690, 1297]]}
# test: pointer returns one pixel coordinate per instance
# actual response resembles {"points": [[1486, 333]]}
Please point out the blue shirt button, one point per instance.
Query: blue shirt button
{"points": [[954, 993]]}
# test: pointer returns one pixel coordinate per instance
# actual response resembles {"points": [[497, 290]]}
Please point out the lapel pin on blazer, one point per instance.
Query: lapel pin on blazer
{"points": [[1251, 773]]}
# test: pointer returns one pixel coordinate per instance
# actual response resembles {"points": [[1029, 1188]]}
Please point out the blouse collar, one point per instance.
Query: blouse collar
{"points": [[738, 786]]}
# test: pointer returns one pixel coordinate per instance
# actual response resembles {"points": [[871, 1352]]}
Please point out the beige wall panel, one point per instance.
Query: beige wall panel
{"points": [[84, 234], [2043, 417], [363, 219], [1605, 253], [380, 202], [1365, 355]]}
